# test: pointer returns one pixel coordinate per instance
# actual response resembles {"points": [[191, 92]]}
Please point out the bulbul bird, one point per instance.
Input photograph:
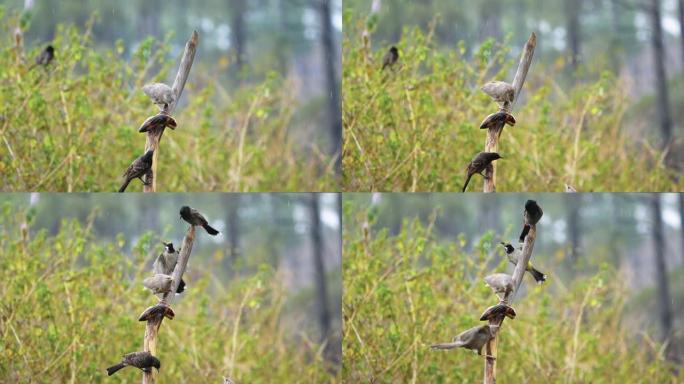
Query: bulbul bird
{"points": [[193, 217], [569, 189], [166, 263], [502, 92], [161, 94], [514, 255], [494, 119], [160, 120], [159, 283], [390, 58], [498, 310], [141, 360], [158, 310], [474, 338], [45, 57], [501, 284], [479, 163], [533, 213], [138, 168]]}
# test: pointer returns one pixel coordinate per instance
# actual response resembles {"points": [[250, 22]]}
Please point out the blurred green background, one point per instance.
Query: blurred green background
{"points": [[611, 310], [262, 303]]}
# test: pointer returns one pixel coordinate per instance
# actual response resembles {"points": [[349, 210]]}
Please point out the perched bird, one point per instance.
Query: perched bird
{"points": [[158, 310], [141, 360], [160, 120], [531, 216], [161, 94], [227, 380], [138, 168], [569, 189], [514, 255], [501, 284], [498, 310], [45, 57], [193, 217], [159, 283], [502, 92], [474, 338], [166, 262], [500, 117], [479, 163], [391, 58]]}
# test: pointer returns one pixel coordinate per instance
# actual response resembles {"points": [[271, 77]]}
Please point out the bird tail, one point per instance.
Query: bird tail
{"points": [[538, 276], [445, 346], [210, 230], [466, 182], [181, 286], [525, 231], [124, 185], [112, 370]]}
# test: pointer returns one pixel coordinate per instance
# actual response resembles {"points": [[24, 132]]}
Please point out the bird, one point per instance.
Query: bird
{"points": [[160, 120], [479, 163], [141, 360], [497, 118], [193, 217], [531, 216], [159, 283], [570, 189], [45, 57], [166, 263], [139, 167], [158, 310], [514, 255], [161, 94], [495, 311], [501, 284], [502, 92], [390, 58], [474, 339]]}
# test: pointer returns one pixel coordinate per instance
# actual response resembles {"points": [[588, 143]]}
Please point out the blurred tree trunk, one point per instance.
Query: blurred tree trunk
{"points": [[572, 11], [661, 77], [232, 202], [664, 309], [238, 30], [330, 68], [319, 267], [573, 205]]}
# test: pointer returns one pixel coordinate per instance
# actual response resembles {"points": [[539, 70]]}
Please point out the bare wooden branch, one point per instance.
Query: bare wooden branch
{"points": [[153, 324], [518, 274], [494, 132], [154, 135]]}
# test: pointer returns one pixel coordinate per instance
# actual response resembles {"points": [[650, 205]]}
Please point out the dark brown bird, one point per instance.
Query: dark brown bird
{"points": [[141, 360], [498, 310], [391, 58], [45, 57], [494, 119], [473, 338], [479, 163], [533, 213], [138, 168], [158, 310], [193, 217], [160, 120]]}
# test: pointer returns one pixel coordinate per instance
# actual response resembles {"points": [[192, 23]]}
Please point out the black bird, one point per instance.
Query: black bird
{"points": [[139, 167], [391, 57], [158, 310], [160, 120], [193, 217], [531, 216], [45, 57], [166, 263], [500, 117], [141, 360], [479, 163]]}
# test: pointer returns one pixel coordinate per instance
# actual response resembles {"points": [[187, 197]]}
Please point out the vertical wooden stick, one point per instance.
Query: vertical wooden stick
{"points": [[493, 133], [154, 135]]}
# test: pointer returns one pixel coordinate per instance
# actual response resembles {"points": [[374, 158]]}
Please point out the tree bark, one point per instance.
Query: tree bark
{"points": [[319, 266], [572, 11], [664, 308], [663, 98]]}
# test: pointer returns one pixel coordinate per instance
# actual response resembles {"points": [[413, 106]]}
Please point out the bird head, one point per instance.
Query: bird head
{"points": [[510, 120], [50, 49], [185, 211], [168, 247], [156, 363], [394, 49], [508, 247]]}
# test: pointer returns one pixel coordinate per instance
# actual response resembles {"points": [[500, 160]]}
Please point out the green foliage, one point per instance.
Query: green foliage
{"points": [[69, 307], [73, 125], [416, 127], [406, 292]]}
